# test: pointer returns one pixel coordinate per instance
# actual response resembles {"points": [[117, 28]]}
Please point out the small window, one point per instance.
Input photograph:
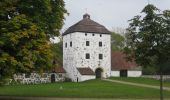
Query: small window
{"points": [[100, 44], [66, 45], [87, 43], [70, 44], [85, 34], [93, 34], [100, 56], [87, 56], [100, 35]]}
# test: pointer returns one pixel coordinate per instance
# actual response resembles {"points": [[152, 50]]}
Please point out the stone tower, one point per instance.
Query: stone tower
{"points": [[87, 50]]}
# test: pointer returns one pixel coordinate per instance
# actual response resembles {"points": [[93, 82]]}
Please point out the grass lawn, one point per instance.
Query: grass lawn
{"points": [[88, 89], [142, 80]]}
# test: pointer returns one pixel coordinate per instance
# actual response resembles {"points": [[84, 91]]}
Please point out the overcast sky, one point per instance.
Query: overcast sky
{"points": [[110, 13]]}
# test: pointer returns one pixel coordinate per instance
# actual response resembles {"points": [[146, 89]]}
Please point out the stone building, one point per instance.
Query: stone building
{"points": [[87, 50]]}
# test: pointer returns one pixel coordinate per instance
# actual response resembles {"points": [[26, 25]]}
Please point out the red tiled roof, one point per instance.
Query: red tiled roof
{"points": [[85, 71], [119, 62], [87, 25], [59, 70]]}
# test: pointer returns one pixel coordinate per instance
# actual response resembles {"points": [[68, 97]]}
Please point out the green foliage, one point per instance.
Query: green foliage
{"points": [[149, 37], [117, 41], [25, 27], [23, 47], [166, 69], [57, 49], [149, 70], [48, 14]]}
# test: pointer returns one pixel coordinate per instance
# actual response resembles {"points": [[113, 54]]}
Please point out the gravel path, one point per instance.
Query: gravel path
{"points": [[137, 84]]}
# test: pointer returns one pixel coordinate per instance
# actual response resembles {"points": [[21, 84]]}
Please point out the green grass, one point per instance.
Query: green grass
{"points": [[88, 89], [142, 80]]}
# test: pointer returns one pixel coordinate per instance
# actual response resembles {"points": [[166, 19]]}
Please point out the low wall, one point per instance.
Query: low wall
{"points": [[165, 77], [36, 78], [87, 77], [115, 73], [132, 73]]}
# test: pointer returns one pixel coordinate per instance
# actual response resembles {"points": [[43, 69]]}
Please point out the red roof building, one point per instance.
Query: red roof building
{"points": [[119, 62], [122, 67]]}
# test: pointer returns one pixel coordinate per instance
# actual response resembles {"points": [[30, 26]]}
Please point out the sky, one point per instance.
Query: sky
{"points": [[110, 13], [113, 14]]}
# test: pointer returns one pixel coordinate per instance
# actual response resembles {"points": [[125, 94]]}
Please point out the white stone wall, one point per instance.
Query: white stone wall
{"points": [[115, 73], [74, 56], [132, 73], [87, 77], [84, 77]]}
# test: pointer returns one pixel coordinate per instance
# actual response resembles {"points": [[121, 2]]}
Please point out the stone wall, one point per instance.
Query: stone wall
{"points": [[35, 78]]}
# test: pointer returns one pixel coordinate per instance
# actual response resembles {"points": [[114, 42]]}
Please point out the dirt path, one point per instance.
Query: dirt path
{"points": [[137, 84], [53, 98]]}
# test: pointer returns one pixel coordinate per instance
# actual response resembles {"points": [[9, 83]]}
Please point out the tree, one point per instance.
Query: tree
{"points": [[25, 27], [149, 37], [117, 41], [48, 14], [57, 49]]}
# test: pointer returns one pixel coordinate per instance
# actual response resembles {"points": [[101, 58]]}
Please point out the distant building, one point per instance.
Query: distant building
{"points": [[123, 68], [87, 50]]}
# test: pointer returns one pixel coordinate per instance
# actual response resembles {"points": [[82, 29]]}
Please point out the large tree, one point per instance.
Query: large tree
{"points": [[47, 14], [149, 36], [25, 27]]}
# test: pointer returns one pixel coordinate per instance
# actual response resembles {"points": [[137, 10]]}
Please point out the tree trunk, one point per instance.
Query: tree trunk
{"points": [[161, 86]]}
